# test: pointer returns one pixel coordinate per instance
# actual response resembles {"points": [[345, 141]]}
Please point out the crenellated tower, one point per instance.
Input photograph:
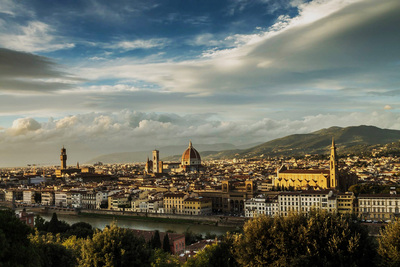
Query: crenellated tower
{"points": [[63, 158]]}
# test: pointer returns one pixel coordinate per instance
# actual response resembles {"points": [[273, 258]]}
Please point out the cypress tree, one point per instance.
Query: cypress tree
{"points": [[156, 242], [166, 245]]}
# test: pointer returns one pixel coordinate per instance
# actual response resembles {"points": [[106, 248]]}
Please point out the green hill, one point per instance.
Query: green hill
{"points": [[355, 139]]}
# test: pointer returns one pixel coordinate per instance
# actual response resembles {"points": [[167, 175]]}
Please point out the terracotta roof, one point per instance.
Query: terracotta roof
{"points": [[198, 199], [190, 153], [306, 171], [379, 195], [174, 195]]}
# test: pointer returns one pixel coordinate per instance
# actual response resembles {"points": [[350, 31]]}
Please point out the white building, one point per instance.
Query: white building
{"points": [[261, 205], [76, 199], [28, 197], [48, 198], [60, 199], [379, 206]]}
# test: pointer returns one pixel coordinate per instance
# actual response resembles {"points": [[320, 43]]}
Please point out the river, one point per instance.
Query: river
{"points": [[101, 222]]}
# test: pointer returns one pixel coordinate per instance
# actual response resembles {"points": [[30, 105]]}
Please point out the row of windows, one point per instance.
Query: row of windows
{"points": [[368, 202], [381, 210]]}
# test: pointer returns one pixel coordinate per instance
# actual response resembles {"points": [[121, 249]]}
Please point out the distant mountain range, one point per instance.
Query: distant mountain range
{"points": [[349, 140], [165, 152]]}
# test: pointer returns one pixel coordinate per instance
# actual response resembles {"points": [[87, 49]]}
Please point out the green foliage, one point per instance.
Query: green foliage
{"points": [[51, 251], [15, 248], [210, 236], [55, 226], [75, 245], [164, 259], [166, 246], [371, 188], [190, 237], [389, 245], [80, 230], [155, 241], [115, 246], [41, 223], [320, 239], [218, 254]]}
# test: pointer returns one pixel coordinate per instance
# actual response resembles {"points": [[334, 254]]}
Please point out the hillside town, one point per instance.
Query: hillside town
{"points": [[192, 187]]}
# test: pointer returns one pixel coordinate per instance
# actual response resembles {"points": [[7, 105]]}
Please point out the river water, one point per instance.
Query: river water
{"points": [[101, 222]]}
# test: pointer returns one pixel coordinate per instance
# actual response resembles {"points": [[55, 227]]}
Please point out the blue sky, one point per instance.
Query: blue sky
{"points": [[112, 76]]}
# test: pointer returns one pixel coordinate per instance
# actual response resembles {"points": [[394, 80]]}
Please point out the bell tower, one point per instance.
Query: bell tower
{"points": [[156, 159], [63, 158], [333, 166]]}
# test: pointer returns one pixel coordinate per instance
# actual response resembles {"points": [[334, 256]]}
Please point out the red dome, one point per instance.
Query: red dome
{"points": [[191, 156]]}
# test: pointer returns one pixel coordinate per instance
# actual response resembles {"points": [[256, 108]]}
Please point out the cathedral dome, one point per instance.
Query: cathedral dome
{"points": [[191, 156]]}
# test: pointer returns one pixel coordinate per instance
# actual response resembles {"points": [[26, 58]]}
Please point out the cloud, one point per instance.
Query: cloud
{"points": [[24, 72], [138, 44], [12, 8], [387, 107], [330, 45], [36, 36], [23, 126], [92, 134]]}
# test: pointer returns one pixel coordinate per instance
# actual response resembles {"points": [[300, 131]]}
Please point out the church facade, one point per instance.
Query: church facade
{"points": [[305, 179]]}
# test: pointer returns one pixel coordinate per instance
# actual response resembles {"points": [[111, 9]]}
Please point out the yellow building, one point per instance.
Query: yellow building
{"points": [[345, 203], [304, 179], [231, 197], [118, 202], [197, 206], [173, 203]]}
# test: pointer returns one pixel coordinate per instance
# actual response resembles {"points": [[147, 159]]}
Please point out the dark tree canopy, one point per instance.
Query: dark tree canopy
{"points": [[319, 239], [389, 245], [115, 246], [166, 246], [218, 254], [15, 250], [155, 241]]}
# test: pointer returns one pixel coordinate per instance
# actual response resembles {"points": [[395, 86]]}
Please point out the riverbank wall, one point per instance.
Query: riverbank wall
{"points": [[217, 220], [201, 219]]}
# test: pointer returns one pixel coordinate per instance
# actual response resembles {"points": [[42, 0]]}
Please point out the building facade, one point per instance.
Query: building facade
{"points": [[297, 179], [379, 207]]}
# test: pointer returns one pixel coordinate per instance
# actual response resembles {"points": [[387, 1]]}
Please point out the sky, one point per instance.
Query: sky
{"points": [[102, 76]]}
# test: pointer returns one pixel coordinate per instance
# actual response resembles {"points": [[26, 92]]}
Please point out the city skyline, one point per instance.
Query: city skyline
{"points": [[101, 77]]}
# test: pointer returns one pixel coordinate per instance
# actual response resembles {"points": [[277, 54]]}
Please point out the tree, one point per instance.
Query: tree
{"points": [[155, 241], [115, 246], [317, 239], [389, 245], [217, 254], [41, 223], [166, 246], [55, 226], [51, 251], [75, 245], [191, 237], [164, 259], [80, 230], [15, 248]]}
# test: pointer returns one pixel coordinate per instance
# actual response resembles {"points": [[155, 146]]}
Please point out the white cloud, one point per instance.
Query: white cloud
{"points": [[138, 44], [92, 134], [34, 37], [23, 126], [307, 51]]}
